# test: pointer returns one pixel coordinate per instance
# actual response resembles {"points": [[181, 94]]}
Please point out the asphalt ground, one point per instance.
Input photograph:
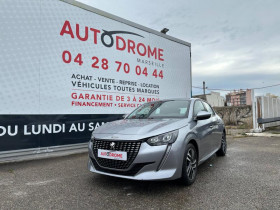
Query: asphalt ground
{"points": [[248, 177]]}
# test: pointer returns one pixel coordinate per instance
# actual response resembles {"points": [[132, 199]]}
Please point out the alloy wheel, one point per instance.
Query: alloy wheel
{"points": [[191, 163]]}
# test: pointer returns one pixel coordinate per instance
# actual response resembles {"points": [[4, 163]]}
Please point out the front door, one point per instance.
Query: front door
{"points": [[216, 131], [204, 131]]}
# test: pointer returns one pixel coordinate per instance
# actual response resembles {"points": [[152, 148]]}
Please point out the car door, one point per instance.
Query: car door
{"points": [[214, 124], [203, 130]]}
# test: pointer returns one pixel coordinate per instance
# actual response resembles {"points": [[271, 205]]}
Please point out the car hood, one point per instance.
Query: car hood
{"points": [[139, 127]]}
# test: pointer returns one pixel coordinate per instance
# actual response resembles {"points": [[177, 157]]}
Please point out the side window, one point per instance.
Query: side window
{"points": [[198, 106], [209, 109]]}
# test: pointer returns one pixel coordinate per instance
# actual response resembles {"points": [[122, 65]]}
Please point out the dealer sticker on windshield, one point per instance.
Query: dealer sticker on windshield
{"points": [[109, 154]]}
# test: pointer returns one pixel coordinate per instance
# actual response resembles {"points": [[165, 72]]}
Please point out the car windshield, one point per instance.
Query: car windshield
{"points": [[161, 109]]}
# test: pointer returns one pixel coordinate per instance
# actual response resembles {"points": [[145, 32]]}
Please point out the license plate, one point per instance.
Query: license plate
{"points": [[114, 155]]}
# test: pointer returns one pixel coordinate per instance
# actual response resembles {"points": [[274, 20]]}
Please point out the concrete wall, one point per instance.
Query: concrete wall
{"points": [[236, 115]]}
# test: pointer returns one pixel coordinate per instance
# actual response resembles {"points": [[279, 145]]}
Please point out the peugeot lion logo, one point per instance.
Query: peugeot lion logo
{"points": [[112, 145]]}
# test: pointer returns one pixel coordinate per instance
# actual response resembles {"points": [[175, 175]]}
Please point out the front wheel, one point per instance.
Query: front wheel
{"points": [[189, 169], [223, 149]]}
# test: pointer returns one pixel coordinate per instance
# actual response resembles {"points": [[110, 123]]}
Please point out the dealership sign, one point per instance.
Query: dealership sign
{"points": [[66, 70]]}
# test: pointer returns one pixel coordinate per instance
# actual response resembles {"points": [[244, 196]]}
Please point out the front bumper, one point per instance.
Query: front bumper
{"points": [[151, 163]]}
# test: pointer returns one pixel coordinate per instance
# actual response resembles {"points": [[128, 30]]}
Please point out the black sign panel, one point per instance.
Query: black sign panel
{"points": [[34, 131]]}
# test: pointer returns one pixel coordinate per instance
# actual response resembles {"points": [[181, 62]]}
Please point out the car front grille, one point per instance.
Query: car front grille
{"points": [[131, 147], [131, 172]]}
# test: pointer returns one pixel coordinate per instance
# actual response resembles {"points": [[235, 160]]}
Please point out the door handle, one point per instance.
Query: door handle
{"points": [[211, 126]]}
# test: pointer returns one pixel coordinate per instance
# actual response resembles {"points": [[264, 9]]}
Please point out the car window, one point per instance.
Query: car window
{"points": [[209, 108], [162, 109], [198, 106], [178, 109], [145, 110]]}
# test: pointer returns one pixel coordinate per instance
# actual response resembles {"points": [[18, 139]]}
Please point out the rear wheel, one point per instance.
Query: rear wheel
{"points": [[189, 169], [223, 149]]}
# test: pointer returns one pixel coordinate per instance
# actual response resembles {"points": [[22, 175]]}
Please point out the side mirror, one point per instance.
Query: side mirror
{"points": [[203, 115]]}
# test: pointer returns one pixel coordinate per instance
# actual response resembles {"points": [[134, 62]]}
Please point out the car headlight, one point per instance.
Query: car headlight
{"points": [[166, 138]]}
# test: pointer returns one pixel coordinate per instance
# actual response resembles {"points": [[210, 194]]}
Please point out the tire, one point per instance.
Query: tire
{"points": [[189, 168], [223, 149]]}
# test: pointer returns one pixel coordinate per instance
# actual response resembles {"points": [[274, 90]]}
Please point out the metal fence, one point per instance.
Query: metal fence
{"points": [[267, 111]]}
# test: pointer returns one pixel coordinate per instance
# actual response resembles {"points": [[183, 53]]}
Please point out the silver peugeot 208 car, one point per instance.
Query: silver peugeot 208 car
{"points": [[161, 140]]}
